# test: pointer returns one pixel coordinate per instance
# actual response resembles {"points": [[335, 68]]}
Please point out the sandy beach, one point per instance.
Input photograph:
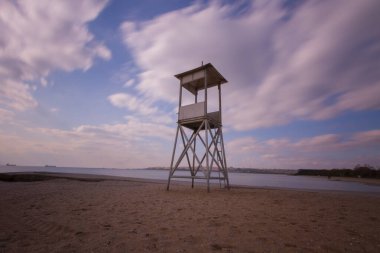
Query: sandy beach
{"points": [[98, 214]]}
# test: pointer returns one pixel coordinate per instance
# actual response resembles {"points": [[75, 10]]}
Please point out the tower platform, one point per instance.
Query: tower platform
{"points": [[194, 123]]}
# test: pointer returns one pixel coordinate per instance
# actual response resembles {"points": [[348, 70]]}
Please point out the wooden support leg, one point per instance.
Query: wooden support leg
{"points": [[225, 160], [207, 151], [171, 163]]}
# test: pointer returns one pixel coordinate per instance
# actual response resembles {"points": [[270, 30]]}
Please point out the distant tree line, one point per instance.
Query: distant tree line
{"points": [[364, 171]]}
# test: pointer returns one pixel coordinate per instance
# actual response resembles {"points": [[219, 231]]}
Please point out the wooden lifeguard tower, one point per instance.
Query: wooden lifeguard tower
{"points": [[201, 130]]}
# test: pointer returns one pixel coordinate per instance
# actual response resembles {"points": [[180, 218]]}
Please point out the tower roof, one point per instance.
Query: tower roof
{"points": [[193, 80]]}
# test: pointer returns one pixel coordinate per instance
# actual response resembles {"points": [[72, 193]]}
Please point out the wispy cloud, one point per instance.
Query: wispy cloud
{"points": [[132, 103], [142, 108], [5, 115], [311, 62], [131, 144], [321, 151], [16, 95], [39, 37]]}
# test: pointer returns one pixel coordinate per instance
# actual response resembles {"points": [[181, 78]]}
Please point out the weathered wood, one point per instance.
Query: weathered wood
{"points": [[173, 154], [193, 79]]}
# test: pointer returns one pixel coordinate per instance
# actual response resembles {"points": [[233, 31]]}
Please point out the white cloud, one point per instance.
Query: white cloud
{"points": [[133, 144], [132, 103], [141, 108], [312, 62], [129, 83], [41, 36], [321, 141], [321, 151], [247, 144], [16, 95], [43, 82], [368, 137], [134, 129], [5, 116], [54, 110]]}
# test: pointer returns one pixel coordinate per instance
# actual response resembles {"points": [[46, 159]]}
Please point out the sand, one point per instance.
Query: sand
{"points": [[65, 215]]}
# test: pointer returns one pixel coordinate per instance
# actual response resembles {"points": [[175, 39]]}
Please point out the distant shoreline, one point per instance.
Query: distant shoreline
{"points": [[19, 177], [368, 181], [237, 179], [43, 176], [231, 169]]}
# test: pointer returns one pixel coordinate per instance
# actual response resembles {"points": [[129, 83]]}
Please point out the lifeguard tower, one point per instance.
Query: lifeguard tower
{"points": [[201, 130]]}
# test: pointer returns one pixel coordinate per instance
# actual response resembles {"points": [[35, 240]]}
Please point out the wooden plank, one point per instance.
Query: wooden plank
{"points": [[191, 111]]}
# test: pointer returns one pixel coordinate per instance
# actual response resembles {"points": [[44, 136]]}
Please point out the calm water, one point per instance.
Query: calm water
{"points": [[239, 179]]}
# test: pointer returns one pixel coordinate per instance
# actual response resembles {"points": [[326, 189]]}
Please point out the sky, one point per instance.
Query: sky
{"points": [[91, 83]]}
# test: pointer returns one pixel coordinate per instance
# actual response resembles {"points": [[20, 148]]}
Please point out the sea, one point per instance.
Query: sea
{"points": [[236, 179]]}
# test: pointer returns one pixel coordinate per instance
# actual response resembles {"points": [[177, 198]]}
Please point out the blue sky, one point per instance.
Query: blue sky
{"points": [[91, 83]]}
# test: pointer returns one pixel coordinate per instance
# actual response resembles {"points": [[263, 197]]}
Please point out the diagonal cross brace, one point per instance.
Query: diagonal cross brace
{"points": [[188, 145], [192, 148], [212, 142]]}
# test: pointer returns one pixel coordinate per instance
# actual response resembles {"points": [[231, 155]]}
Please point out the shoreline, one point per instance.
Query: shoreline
{"points": [[367, 181], [75, 176], [28, 177], [95, 172]]}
